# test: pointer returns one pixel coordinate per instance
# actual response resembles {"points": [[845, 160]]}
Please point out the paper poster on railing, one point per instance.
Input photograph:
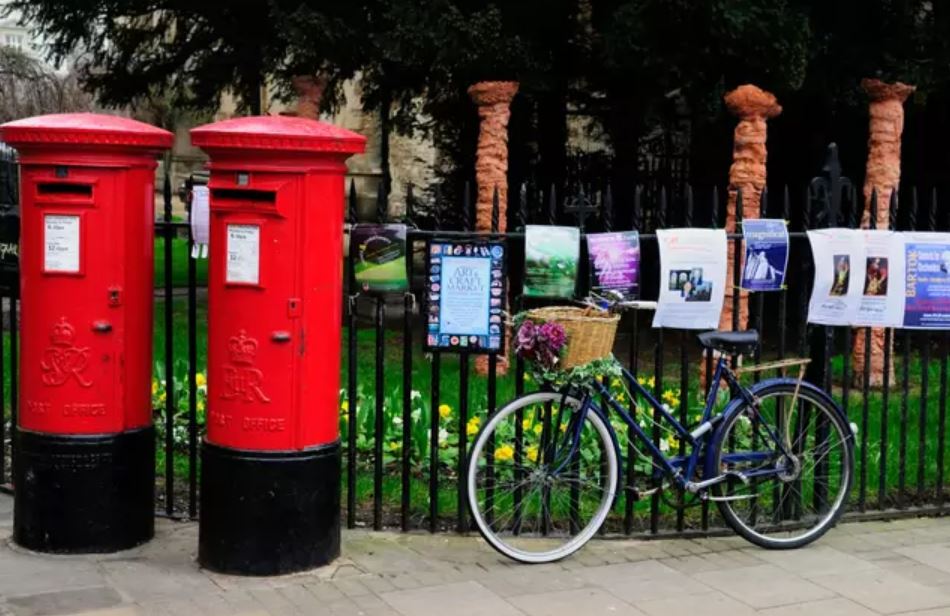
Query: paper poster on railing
{"points": [[380, 264], [766, 254], [927, 286], [692, 278], [839, 257], [615, 263], [551, 255], [882, 297]]}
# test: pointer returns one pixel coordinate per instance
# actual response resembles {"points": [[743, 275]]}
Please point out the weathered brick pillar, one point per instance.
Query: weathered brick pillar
{"points": [[753, 106], [493, 99], [309, 90], [883, 174]]}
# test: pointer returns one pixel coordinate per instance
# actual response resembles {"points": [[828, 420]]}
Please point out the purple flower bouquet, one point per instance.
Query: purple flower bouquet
{"points": [[541, 344]]}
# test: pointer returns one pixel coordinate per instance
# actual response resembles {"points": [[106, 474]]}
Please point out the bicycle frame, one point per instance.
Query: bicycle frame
{"points": [[675, 466]]}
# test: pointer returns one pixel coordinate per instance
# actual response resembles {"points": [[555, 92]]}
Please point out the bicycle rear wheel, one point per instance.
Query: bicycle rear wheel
{"points": [[806, 495], [539, 486]]}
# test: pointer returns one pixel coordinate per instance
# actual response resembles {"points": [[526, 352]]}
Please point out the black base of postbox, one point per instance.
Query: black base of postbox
{"points": [[78, 494], [269, 513]]}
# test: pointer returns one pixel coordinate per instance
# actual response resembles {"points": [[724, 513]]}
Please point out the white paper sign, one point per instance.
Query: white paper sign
{"points": [[199, 221], [882, 297], [692, 278], [465, 295], [244, 254], [61, 243], [839, 255]]}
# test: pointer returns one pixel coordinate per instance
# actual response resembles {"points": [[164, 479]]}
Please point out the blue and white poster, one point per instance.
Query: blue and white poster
{"points": [[927, 281], [466, 296], [766, 254]]}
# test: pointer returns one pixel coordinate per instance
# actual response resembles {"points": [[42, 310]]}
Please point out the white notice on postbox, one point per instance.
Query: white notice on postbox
{"points": [[244, 254], [61, 242]]}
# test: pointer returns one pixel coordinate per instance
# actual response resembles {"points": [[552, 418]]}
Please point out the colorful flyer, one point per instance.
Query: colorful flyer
{"points": [[466, 296], [551, 255], [839, 256], [380, 258], [882, 297], [766, 254], [615, 263], [927, 281], [692, 278]]}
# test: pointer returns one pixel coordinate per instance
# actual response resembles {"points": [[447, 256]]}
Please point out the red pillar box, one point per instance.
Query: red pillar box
{"points": [[85, 458], [270, 474]]}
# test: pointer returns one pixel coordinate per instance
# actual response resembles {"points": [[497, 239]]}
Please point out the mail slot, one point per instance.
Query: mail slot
{"points": [[85, 446], [270, 474]]}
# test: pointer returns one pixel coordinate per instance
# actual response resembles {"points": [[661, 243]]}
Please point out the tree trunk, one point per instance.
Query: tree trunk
{"points": [[493, 99], [753, 106], [883, 174]]}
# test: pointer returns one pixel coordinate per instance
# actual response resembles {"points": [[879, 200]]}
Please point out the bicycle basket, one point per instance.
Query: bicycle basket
{"points": [[590, 332]]}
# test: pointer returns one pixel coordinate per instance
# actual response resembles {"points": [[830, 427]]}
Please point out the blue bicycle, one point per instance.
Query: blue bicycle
{"points": [[544, 471]]}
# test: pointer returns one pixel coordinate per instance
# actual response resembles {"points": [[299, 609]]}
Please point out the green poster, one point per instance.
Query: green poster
{"points": [[380, 258], [551, 256]]}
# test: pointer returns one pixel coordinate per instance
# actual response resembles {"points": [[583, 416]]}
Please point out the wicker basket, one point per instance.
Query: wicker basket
{"points": [[590, 332]]}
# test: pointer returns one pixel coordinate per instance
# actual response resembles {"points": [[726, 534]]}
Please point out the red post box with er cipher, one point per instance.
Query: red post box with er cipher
{"points": [[85, 446], [270, 474]]}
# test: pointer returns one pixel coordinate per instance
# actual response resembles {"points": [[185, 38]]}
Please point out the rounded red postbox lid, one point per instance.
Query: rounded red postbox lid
{"points": [[84, 129], [286, 133]]}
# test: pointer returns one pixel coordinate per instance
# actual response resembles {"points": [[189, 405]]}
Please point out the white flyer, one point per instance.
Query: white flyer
{"points": [[692, 278], [199, 221], [882, 297], [61, 243], [244, 254], [839, 255]]}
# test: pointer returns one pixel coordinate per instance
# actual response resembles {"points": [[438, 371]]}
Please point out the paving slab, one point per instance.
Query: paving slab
{"points": [[569, 602], [855, 570], [643, 581], [884, 592], [459, 599], [764, 586]]}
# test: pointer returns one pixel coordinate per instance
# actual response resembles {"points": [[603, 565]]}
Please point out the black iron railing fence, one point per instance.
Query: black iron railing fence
{"points": [[407, 417]]}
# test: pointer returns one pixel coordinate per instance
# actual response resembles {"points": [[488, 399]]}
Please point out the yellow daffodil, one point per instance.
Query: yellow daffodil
{"points": [[526, 424], [200, 379], [345, 406], [616, 383], [394, 446], [538, 428], [504, 453], [445, 411], [200, 405], [673, 442], [621, 397], [471, 428], [532, 453], [154, 386]]}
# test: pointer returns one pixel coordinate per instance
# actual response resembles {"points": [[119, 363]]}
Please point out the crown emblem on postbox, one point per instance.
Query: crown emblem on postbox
{"points": [[242, 349], [62, 334]]}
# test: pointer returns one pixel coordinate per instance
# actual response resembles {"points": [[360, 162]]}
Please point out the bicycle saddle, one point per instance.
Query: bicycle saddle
{"points": [[730, 343]]}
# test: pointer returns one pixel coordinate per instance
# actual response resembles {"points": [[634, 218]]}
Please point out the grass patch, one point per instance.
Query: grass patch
{"points": [[179, 269]]}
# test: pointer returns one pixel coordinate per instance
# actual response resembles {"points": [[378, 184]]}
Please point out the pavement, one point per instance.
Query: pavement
{"points": [[857, 569]]}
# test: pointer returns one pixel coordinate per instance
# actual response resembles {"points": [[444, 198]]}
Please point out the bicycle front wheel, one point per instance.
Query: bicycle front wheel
{"points": [[539, 484], [796, 452]]}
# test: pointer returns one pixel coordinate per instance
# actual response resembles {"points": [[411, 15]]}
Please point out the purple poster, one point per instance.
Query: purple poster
{"points": [[615, 262]]}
